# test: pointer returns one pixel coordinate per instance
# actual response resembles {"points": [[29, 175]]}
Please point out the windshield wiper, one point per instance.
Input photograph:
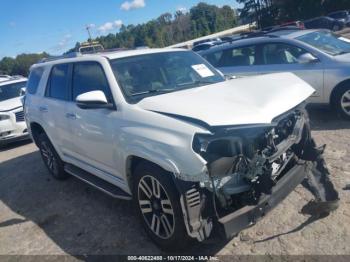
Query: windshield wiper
{"points": [[153, 91], [343, 53], [197, 82]]}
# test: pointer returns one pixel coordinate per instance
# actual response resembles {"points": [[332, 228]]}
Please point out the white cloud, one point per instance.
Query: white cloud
{"points": [[109, 26], [63, 43], [134, 4], [91, 25], [182, 9]]}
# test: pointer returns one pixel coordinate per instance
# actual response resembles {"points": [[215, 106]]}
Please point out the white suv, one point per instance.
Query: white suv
{"points": [[12, 124], [198, 154]]}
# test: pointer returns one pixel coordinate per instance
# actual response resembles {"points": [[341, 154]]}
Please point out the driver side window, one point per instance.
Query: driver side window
{"points": [[89, 76], [279, 54]]}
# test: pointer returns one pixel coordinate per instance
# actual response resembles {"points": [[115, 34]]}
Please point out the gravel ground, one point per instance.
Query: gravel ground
{"points": [[39, 215]]}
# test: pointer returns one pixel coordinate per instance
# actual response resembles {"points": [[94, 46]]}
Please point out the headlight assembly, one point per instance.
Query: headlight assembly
{"points": [[4, 117]]}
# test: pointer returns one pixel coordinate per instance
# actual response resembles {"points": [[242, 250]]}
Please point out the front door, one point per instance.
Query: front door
{"points": [[93, 131], [280, 57]]}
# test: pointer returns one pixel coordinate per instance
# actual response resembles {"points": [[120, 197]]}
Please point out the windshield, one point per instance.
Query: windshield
{"points": [[158, 73], [11, 90], [339, 15], [327, 42]]}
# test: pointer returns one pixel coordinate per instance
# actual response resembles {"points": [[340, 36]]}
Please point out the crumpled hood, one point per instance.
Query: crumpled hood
{"points": [[10, 104], [249, 100]]}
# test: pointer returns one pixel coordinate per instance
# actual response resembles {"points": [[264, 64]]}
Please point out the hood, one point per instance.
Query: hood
{"points": [[10, 104], [249, 100]]}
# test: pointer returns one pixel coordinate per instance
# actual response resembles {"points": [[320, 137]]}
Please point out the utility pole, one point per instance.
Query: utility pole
{"points": [[88, 30]]}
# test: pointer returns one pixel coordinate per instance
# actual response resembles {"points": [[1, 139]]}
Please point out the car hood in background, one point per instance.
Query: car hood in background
{"points": [[10, 104], [249, 100]]}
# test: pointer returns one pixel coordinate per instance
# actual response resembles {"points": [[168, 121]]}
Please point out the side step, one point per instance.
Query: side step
{"points": [[97, 182]]}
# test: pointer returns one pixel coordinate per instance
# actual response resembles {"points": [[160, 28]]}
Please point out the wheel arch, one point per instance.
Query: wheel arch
{"points": [[338, 87], [133, 161], [36, 130]]}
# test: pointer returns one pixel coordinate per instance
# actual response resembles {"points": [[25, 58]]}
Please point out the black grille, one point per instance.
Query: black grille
{"points": [[19, 116]]}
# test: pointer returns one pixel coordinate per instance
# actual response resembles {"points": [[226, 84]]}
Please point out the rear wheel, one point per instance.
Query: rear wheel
{"points": [[336, 28], [158, 204], [51, 159], [342, 102]]}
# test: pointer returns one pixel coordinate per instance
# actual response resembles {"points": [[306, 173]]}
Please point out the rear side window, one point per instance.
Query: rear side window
{"points": [[34, 80], [89, 76], [241, 56], [58, 82]]}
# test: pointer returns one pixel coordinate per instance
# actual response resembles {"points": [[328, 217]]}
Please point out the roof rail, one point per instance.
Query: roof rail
{"points": [[54, 58]]}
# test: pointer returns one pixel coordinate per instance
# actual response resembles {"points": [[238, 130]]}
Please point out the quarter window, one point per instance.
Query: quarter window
{"points": [[279, 54], [58, 83], [89, 76], [34, 80]]}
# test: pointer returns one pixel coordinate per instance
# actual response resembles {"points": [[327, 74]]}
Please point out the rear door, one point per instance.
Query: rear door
{"points": [[235, 62], [53, 107]]}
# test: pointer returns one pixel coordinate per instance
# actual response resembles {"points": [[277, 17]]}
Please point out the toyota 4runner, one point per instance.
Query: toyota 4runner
{"points": [[199, 155]]}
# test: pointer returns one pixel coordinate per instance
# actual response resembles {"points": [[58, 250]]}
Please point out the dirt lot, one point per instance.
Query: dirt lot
{"points": [[39, 215]]}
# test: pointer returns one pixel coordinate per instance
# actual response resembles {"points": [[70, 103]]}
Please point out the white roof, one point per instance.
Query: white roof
{"points": [[109, 55], [12, 80], [121, 54]]}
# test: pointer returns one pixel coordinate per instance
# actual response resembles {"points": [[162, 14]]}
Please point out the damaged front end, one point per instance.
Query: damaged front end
{"points": [[251, 169]]}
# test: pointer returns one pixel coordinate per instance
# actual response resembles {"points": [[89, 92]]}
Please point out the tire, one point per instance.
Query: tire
{"points": [[159, 207], [51, 159], [342, 102], [336, 28]]}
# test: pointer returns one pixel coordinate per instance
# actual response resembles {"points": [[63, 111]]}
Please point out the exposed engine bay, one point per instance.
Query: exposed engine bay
{"points": [[245, 162]]}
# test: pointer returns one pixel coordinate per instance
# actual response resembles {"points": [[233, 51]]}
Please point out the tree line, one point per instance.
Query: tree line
{"points": [[273, 12], [200, 20], [167, 29]]}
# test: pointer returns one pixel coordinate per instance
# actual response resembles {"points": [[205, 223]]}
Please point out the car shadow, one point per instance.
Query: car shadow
{"points": [[9, 146], [324, 118], [79, 219]]}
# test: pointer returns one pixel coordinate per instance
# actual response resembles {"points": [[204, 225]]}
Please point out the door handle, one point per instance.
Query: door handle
{"points": [[43, 109], [71, 116]]}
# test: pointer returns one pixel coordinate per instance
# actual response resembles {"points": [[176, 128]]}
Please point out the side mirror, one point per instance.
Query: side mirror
{"points": [[93, 100], [307, 58], [22, 92]]}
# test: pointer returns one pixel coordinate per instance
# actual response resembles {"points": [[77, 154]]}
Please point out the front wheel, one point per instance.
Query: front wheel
{"points": [[342, 102], [158, 204]]}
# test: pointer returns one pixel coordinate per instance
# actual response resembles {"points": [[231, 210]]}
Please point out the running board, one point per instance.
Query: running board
{"points": [[97, 182]]}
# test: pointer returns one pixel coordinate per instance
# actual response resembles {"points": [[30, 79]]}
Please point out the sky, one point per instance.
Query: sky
{"points": [[54, 26]]}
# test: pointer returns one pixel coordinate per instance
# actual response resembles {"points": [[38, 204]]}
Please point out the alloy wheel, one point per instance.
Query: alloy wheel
{"points": [[345, 102], [156, 207], [49, 157]]}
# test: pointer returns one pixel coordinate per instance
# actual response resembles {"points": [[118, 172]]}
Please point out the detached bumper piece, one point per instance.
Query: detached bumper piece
{"points": [[247, 216]]}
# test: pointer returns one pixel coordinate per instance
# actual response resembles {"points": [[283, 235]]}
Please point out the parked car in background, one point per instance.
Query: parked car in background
{"points": [[205, 46], [298, 24], [196, 153], [4, 78], [324, 22], [343, 16], [319, 57], [207, 40], [12, 123]]}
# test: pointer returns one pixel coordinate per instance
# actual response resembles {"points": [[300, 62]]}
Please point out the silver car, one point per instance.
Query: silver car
{"points": [[319, 57]]}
